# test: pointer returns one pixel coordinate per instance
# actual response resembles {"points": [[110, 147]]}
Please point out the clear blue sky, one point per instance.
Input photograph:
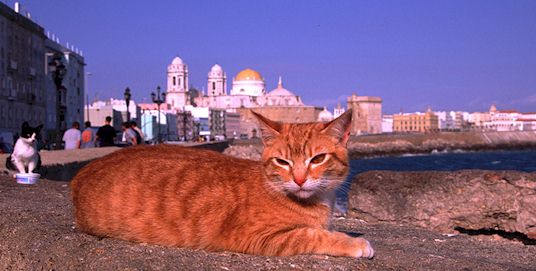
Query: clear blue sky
{"points": [[450, 55]]}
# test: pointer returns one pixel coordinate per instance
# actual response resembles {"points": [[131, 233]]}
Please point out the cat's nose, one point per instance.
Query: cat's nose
{"points": [[299, 177], [299, 181]]}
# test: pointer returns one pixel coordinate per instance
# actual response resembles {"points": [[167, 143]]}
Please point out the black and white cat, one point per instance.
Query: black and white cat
{"points": [[25, 157]]}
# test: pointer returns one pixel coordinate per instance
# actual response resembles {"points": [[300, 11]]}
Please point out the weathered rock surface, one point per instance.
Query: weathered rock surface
{"points": [[37, 233], [252, 152], [389, 144], [445, 201]]}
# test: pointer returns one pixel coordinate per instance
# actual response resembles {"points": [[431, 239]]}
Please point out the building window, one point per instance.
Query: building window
{"points": [[213, 85], [174, 80]]}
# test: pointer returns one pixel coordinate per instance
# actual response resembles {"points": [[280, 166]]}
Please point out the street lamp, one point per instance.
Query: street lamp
{"points": [[88, 74], [58, 71], [184, 123], [127, 100], [158, 99]]}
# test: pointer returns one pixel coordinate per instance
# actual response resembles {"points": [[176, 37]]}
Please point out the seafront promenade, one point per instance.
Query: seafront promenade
{"points": [[61, 165]]}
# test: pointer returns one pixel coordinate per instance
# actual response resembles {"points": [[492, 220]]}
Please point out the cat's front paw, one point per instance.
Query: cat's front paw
{"points": [[363, 249]]}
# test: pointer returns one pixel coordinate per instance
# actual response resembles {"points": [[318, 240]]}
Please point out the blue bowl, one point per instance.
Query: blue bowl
{"points": [[27, 178]]}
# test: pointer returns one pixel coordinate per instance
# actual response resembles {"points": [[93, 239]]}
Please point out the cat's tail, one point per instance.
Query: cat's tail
{"points": [[10, 167], [9, 164]]}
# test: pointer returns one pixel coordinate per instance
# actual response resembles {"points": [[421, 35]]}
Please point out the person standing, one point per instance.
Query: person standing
{"points": [[106, 134], [129, 135], [72, 137], [140, 137], [88, 136]]}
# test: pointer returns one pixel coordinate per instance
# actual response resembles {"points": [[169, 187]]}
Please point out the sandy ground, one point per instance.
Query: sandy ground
{"points": [[37, 233]]}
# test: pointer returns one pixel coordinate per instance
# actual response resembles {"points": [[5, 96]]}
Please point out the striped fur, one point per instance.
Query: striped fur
{"points": [[183, 197]]}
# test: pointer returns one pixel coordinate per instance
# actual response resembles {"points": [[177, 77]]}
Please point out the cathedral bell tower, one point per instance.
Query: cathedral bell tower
{"points": [[177, 84], [217, 81]]}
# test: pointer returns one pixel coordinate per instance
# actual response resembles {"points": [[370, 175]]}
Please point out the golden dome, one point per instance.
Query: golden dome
{"points": [[248, 74]]}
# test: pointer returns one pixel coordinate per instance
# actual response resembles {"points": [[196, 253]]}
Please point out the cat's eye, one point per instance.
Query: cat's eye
{"points": [[281, 162], [318, 159]]}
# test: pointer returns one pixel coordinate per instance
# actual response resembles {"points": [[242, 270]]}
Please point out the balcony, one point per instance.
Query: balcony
{"points": [[12, 65], [30, 98], [31, 73], [12, 94]]}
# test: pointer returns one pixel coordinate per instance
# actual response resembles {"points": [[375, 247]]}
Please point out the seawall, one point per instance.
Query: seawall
{"points": [[392, 144], [62, 165]]}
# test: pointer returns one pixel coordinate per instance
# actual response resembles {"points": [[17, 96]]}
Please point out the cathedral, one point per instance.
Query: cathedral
{"points": [[248, 90]]}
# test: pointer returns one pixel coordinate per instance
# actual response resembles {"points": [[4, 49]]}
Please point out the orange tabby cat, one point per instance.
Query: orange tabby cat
{"points": [[185, 197]]}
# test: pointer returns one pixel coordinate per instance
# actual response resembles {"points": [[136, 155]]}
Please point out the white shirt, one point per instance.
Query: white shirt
{"points": [[72, 138]]}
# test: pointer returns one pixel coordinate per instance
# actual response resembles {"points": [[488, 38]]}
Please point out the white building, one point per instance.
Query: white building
{"points": [[339, 110], [451, 120], [117, 105], [165, 122], [201, 118], [325, 115], [387, 123], [503, 120]]}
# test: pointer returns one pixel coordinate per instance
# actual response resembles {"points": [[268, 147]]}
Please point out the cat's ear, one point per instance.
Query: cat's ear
{"points": [[269, 129], [340, 127]]}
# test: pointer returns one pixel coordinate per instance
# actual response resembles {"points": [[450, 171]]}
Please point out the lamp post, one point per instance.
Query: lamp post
{"points": [[158, 99], [88, 74], [127, 100], [57, 70], [184, 123]]}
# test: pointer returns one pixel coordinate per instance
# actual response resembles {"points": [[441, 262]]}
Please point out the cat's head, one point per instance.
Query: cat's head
{"points": [[29, 134], [305, 161]]}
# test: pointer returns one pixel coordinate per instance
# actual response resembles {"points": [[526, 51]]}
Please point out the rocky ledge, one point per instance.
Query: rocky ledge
{"points": [[396, 144], [471, 201], [251, 151], [38, 233]]}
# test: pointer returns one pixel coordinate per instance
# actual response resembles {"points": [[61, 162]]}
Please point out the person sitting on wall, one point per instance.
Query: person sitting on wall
{"points": [[106, 134], [72, 137], [129, 135], [88, 137]]}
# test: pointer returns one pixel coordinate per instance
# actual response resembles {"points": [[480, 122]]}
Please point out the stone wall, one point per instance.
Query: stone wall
{"points": [[447, 201], [62, 165], [387, 144]]}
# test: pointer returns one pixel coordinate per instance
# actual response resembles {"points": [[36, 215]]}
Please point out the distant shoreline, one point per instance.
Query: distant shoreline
{"points": [[368, 146], [358, 154], [399, 144]]}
